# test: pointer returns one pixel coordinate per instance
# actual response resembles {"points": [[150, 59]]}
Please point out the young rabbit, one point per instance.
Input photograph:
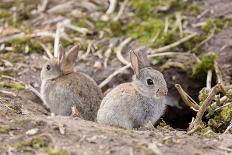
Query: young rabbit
{"points": [[62, 88], [132, 105]]}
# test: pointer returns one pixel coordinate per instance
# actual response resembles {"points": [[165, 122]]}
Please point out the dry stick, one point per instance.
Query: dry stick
{"points": [[11, 37], [111, 76], [209, 79], [112, 6], [228, 128], [43, 6], [195, 125], [179, 23], [57, 41], [121, 10], [218, 72], [166, 25], [46, 50], [169, 54], [224, 106], [165, 48], [29, 87], [78, 29], [119, 51], [187, 99]]}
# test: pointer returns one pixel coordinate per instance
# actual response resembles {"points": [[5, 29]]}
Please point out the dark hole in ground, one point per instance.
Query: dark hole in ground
{"points": [[179, 115]]}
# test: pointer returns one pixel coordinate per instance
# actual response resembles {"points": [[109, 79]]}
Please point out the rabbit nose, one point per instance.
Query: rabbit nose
{"points": [[161, 92]]}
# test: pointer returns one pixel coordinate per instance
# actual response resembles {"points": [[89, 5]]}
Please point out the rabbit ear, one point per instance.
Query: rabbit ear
{"points": [[61, 56], [139, 60], [72, 54]]}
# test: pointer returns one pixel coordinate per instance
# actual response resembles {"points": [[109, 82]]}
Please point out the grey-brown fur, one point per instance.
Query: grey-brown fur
{"points": [[131, 105], [61, 88]]}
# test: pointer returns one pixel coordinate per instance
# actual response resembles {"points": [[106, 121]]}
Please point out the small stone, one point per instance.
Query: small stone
{"points": [[32, 131]]}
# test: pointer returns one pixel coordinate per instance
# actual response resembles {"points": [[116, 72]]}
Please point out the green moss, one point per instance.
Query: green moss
{"points": [[193, 9], [163, 124], [203, 94], [51, 151], [146, 30], [216, 23], [20, 45], [4, 129], [220, 120], [229, 93], [150, 8], [204, 65], [12, 85], [4, 13], [190, 45], [35, 143], [167, 38]]}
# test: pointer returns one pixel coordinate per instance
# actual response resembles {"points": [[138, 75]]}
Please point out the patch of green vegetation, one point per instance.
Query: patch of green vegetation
{"points": [[193, 9], [229, 93], [221, 119], [51, 151], [204, 65], [147, 30], [12, 85], [190, 45], [150, 8], [4, 129], [217, 24], [24, 45], [12, 57], [4, 13], [203, 94], [163, 124], [35, 143]]}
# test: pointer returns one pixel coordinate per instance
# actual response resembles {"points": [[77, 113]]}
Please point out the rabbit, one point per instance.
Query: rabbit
{"points": [[62, 88], [134, 104]]}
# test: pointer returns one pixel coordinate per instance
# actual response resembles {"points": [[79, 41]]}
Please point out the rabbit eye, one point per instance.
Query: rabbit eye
{"points": [[150, 82], [48, 67]]}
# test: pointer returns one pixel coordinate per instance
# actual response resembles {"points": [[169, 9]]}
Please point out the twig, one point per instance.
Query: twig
{"points": [[43, 6], [177, 43], [166, 25], [202, 14], [168, 54], [195, 125], [77, 28], [119, 51], [46, 50], [207, 39], [8, 93], [84, 56], [179, 23], [121, 10], [187, 99], [222, 100], [108, 53], [224, 106], [218, 72], [112, 7], [209, 80], [57, 41], [228, 128], [111, 76], [11, 37], [29, 87]]}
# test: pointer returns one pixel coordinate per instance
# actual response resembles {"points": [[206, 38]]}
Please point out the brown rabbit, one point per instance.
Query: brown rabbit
{"points": [[134, 104], [62, 88]]}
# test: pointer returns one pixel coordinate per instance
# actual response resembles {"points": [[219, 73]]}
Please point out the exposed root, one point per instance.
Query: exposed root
{"points": [[112, 6], [121, 10], [111, 76], [177, 43], [187, 99], [119, 51], [208, 101]]}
